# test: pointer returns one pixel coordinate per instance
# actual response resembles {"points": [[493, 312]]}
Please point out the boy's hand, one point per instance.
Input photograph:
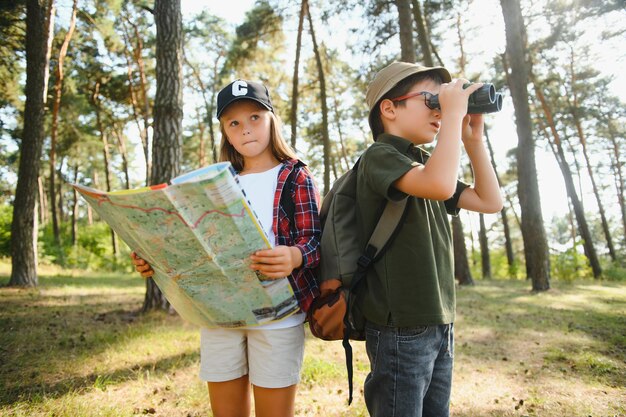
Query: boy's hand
{"points": [[472, 129], [141, 266], [277, 262], [453, 97]]}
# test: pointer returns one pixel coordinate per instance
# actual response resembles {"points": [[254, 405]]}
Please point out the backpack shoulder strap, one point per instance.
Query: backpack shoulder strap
{"points": [[385, 231], [286, 201], [387, 227]]}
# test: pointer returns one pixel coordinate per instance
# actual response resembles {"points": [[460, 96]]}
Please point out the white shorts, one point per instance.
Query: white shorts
{"points": [[271, 358]]}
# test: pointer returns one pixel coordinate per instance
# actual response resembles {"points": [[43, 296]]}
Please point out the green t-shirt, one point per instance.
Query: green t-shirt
{"points": [[413, 283]]}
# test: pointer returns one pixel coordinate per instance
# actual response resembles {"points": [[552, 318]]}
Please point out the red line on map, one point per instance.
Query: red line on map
{"points": [[149, 210]]}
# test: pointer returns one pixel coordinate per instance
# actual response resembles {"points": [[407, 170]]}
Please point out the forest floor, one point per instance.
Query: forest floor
{"points": [[76, 346]]}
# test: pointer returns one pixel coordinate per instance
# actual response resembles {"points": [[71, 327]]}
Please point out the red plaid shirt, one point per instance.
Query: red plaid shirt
{"points": [[305, 233]]}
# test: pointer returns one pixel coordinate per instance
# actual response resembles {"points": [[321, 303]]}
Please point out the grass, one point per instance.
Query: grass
{"points": [[75, 346], [559, 353]]}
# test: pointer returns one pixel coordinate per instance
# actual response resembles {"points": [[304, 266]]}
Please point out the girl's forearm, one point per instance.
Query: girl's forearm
{"points": [[296, 257]]}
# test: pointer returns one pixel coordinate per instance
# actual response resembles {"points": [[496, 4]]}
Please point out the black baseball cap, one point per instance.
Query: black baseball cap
{"points": [[243, 89]]}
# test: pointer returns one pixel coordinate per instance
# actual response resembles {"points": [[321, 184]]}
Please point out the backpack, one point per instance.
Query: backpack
{"points": [[344, 263]]}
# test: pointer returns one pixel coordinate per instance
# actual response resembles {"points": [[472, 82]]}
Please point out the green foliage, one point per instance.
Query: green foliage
{"points": [[6, 217], [614, 272], [12, 69], [570, 264], [13, 35], [262, 24], [500, 268], [474, 263], [92, 251]]}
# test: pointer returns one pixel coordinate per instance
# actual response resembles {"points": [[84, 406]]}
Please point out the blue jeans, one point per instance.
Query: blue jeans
{"points": [[411, 370]]}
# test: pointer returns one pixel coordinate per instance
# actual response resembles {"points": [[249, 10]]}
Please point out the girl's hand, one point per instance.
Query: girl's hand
{"points": [[141, 266], [472, 129], [277, 262]]}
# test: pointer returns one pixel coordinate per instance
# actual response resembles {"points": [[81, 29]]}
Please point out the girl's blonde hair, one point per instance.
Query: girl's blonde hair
{"points": [[279, 146]]}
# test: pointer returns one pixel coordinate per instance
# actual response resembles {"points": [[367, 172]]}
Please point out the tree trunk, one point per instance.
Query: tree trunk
{"points": [[145, 101], [459, 33], [23, 226], [344, 162], [596, 192], [405, 22], [211, 109], [484, 249], [508, 242], [202, 142], [533, 232], [143, 132], [422, 34], [43, 208], [472, 246], [616, 167], [121, 146], [75, 208], [460, 249], [320, 70], [462, 271], [58, 91], [95, 100], [574, 111], [168, 111], [61, 207], [574, 233], [333, 164], [144, 105], [293, 114], [50, 16], [208, 108], [570, 187]]}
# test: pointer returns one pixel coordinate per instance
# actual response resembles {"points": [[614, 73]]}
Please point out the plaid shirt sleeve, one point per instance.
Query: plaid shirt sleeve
{"points": [[304, 233], [307, 231]]}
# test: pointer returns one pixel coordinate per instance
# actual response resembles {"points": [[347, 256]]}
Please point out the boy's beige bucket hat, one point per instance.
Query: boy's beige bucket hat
{"points": [[392, 74]]}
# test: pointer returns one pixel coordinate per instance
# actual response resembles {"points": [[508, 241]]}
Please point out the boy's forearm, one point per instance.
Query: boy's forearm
{"points": [[446, 156], [485, 181], [437, 179]]}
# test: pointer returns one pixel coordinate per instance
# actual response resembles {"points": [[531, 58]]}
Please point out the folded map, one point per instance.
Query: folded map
{"points": [[197, 233]]}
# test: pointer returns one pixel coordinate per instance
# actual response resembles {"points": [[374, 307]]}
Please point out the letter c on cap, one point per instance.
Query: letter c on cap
{"points": [[240, 88]]}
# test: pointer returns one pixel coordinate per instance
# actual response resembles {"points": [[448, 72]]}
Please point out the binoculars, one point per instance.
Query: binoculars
{"points": [[483, 100]]}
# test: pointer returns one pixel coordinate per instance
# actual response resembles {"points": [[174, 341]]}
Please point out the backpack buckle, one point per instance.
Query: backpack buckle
{"points": [[364, 261]]}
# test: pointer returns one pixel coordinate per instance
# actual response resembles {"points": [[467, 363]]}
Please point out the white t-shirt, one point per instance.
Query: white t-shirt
{"points": [[260, 188]]}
